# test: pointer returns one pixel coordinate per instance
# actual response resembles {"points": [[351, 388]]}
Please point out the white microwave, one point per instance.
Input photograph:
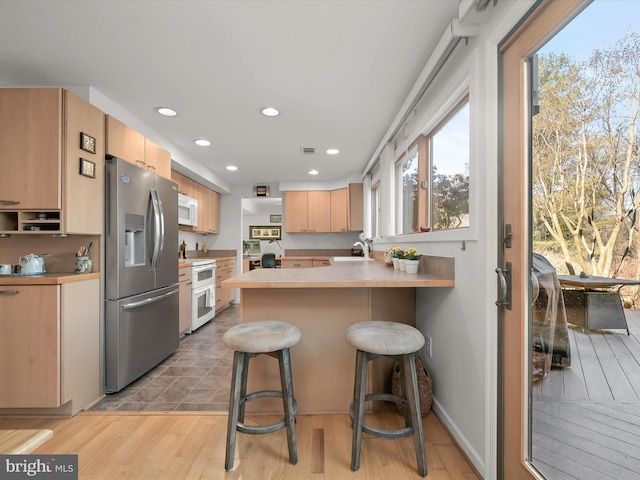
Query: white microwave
{"points": [[187, 210]]}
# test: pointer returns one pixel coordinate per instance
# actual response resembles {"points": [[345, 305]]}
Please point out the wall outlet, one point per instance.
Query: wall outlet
{"points": [[427, 344]]}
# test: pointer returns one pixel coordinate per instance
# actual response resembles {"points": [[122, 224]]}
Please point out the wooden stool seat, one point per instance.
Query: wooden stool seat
{"points": [[248, 340], [261, 337], [372, 340]]}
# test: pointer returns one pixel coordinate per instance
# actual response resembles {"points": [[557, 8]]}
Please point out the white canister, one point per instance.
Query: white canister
{"points": [[6, 269]]}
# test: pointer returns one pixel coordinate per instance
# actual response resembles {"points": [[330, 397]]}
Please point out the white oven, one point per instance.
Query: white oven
{"points": [[203, 292], [187, 210]]}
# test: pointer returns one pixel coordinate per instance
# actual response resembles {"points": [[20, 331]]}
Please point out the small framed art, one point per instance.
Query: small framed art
{"points": [[87, 168], [87, 143]]}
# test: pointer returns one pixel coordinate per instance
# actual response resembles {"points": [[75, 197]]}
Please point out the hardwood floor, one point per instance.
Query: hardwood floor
{"points": [[182, 445], [171, 424], [586, 417]]}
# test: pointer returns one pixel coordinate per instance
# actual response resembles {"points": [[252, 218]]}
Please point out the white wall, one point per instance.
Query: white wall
{"points": [[462, 322]]}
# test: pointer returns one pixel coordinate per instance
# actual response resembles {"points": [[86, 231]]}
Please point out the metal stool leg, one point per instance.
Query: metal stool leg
{"points": [[243, 386], [411, 387], [358, 400], [234, 403], [286, 380]]}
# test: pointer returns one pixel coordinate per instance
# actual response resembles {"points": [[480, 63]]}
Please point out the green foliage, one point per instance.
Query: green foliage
{"points": [[450, 200]]}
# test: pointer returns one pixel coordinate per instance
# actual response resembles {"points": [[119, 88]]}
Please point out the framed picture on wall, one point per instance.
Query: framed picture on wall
{"points": [[269, 232]]}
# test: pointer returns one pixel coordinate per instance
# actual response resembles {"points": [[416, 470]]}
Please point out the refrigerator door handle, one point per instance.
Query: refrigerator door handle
{"points": [[148, 301], [161, 235], [157, 229]]}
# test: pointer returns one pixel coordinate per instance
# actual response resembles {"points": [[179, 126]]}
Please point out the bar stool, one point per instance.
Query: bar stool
{"points": [[248, 340], [372, 340]]}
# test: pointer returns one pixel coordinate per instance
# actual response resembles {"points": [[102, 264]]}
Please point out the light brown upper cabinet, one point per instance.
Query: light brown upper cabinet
{"points": [[308, 212], [324, 211], [185, 184], [128, 144], [295, 212], [43, 188], [157, 159], [208, 204], [339, 210], [355, 212], [208, 210], [124, 142]]}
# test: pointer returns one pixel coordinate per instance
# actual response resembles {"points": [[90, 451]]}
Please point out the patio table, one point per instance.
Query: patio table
{"points": [[594, 302]]}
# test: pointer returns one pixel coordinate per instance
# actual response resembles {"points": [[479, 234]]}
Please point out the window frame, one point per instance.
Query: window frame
{"points": [[423, 143], [452, 112]]}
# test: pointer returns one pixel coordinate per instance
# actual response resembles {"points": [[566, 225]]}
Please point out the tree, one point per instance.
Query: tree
{"points": [[586, 174], [450, 200]]}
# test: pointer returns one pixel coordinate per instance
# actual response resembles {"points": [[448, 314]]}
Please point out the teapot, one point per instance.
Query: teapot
{"points": [[31, 264]]}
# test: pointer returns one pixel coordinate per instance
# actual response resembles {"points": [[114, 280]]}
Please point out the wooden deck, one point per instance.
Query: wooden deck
{"points": [[586, 417]]}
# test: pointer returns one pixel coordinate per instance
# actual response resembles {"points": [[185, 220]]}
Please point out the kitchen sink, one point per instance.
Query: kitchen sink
{"points": [[352, 259]]}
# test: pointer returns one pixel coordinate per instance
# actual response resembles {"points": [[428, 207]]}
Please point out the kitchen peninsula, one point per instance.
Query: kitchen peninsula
{"points": [[323, 302]]}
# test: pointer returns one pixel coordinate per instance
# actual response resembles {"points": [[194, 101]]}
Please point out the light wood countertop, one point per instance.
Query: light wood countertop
{"points": [[435, 272], [47, 278]]}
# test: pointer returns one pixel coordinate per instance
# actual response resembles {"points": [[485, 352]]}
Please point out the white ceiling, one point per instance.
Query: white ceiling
{"points": [[338, 71]]}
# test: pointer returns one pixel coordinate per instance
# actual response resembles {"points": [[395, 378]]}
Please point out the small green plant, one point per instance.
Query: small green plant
{"points": [[396, 252]]}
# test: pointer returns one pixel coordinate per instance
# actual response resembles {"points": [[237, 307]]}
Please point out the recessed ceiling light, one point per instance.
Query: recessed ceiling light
{"points": [[232, 168], [270, 112], [202, 142], [313, 172], [333, 151], [166, 111]]}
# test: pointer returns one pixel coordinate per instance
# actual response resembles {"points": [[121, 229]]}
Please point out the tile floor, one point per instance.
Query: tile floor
{"points": [[196, 377]]}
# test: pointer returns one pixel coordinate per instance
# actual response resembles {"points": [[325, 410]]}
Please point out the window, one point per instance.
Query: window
{"points": [[375, 210], [407, 189], [449, 148], [432, 177]]}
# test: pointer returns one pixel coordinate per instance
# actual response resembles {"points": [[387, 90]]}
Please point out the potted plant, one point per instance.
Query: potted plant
{"points": [[395, 253], [412, 260]]}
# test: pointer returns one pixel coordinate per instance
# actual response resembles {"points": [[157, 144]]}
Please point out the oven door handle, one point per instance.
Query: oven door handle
{"points": [[148, 301]]}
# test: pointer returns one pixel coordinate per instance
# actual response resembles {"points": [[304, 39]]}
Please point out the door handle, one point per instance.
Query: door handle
{"points": [[148, 301], [504, 276]]}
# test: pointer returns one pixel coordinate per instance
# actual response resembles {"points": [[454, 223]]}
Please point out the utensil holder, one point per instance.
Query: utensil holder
{"points": [[83, 264]]}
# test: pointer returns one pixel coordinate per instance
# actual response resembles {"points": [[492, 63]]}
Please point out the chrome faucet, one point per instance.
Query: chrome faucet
{"points": [[364, 246]]}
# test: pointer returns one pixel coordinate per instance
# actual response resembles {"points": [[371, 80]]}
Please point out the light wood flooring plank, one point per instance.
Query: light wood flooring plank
{"points": [[176, 446]]}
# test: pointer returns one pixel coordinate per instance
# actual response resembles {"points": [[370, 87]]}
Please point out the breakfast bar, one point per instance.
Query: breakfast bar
{"points": [[323, 303]]}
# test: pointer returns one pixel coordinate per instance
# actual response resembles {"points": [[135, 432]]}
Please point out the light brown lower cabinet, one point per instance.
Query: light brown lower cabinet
{"points": [[290, 263], [224, 296], [50, 346], [184, 292]]}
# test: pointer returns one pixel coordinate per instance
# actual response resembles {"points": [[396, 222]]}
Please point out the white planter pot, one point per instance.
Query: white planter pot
{"points": [[411, 266], [396, 263], [401, 264]]}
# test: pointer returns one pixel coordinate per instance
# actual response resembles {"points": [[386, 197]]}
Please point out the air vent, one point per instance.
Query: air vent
{"points": [[308, 149]]}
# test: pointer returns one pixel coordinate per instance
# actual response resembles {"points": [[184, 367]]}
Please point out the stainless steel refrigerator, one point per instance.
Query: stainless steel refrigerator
{"points": [[141, 272]]}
